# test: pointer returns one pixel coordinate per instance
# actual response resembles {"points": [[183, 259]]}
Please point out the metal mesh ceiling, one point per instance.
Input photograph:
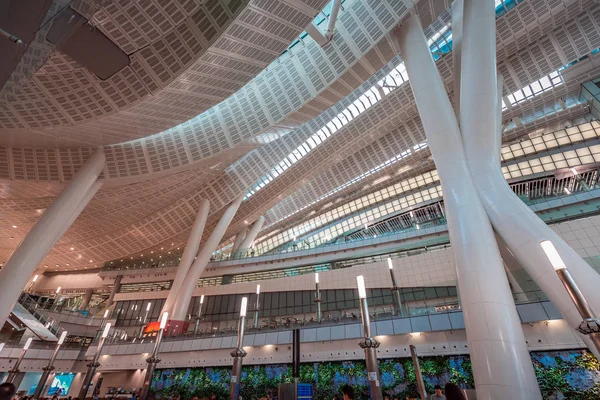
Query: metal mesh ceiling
{"points": [[129, 219]]}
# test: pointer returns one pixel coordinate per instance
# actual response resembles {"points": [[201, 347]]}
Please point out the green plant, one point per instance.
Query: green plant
{"points": [[572, 373]]}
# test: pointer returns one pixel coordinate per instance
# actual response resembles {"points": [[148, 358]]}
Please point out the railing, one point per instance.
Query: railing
{"points": [[52, 305], [40, 314], [329, 318], [531, 192]]}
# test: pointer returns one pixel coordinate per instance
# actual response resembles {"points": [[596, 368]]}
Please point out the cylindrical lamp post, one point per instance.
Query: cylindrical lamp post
{"points": [[102, 323], [49, 368], [89, 375], [238, 354], [33, 281], [12, 374], [257, 308], [395, 290], [369, 344], [199, 315], [103, 319], [148, 307], [590, 325], [56, 298], [153, 359], [318, 297]]}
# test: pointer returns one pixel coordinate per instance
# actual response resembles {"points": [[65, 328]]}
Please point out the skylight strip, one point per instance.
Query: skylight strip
{"points": [[440, 43], [542, 85]]}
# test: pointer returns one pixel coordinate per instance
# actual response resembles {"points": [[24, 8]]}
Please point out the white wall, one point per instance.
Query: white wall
{"points": [[68, 281]]}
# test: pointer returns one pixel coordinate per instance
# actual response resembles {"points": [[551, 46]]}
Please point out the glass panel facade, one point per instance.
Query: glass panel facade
{"points": [[277, 304]]}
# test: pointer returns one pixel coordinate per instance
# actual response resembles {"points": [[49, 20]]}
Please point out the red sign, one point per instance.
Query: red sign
{"points": [[173, 327]]}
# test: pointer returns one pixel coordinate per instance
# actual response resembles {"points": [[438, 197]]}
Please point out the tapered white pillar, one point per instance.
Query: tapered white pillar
{"points": [[457, 34], [45, 233], [182, 303], [519, 227], [251, 235], [501, 364], [189, 253], [85, 302], [116, 288], [237, 242]]}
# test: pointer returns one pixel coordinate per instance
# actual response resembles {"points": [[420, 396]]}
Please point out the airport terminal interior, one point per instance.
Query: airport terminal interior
{"points": [[300, 199]]}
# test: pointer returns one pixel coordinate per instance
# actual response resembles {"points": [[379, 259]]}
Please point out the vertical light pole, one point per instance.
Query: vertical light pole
{"points": [[590, 325], [257, 308], [148, 307], [33, 281], [56, 293], [89, 375], [318, 297], [395, 289], [48, 368], [12, 374], [369, 344], [104, 319], [199, 315], [102, 323], [153, 359], [238, 354]]}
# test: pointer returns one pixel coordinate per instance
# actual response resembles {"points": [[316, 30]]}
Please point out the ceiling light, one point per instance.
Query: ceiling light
{"points": [[14, 226], [72, 248]]}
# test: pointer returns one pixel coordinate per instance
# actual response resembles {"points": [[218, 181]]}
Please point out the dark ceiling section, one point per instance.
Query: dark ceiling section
{"points": [[22, 19], [72, 35]]}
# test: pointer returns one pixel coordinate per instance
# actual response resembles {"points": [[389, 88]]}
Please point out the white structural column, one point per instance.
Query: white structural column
{"points": [[189, 253], [457, 33], [85, 302], [501, 363], [182, 303], [45, 233], [239, 238], [251, 235], [514, 222], [115, 290]]}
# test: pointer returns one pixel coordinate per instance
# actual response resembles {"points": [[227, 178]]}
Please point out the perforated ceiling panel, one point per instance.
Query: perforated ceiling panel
{"points": [[108, 229], [164, 39], [251, 110]]}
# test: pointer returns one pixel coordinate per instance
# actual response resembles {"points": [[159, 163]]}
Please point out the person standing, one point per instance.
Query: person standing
{"points": [[437, 393], [348, 392], [7, 391], [453, 392]]}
